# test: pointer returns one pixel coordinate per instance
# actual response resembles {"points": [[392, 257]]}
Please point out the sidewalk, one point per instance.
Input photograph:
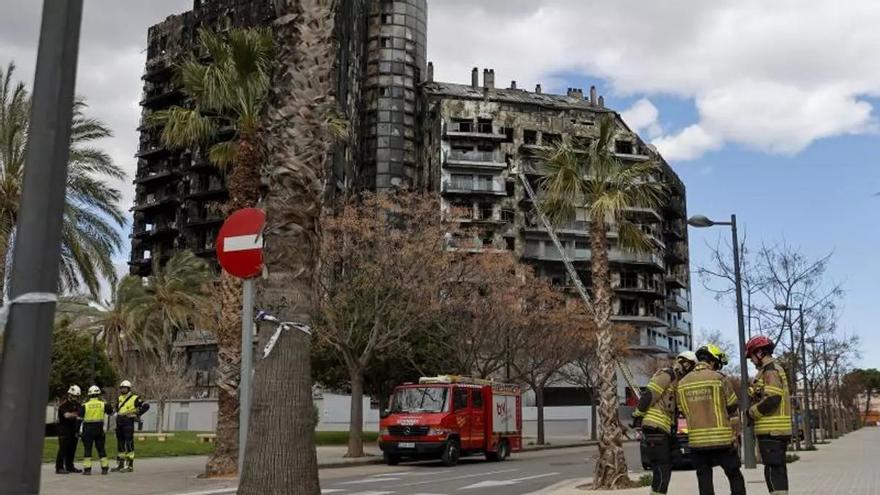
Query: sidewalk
{"points": [[172, 475], [846, 466]]}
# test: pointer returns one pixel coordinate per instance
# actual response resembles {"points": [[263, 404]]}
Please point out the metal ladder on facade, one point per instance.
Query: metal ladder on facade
{"points": [[572, 273]]}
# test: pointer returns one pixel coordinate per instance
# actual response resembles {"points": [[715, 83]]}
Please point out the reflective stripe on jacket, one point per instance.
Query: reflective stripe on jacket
{"points": [[771, 382], [126, 405], [705, 396], [659, 414]]}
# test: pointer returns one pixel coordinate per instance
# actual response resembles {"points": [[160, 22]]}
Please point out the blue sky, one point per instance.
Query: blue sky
{"points": [[765, 109]]}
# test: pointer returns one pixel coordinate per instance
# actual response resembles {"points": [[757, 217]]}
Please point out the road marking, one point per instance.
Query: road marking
{"points": [[330, 490], [399, 473], [368, 480], [441, 480], [218, 491], [242, 243], [373, 493], [493, 483]]}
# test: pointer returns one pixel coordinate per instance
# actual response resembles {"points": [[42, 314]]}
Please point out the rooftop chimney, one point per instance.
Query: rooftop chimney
{"points": [[475, 78], [538, 89], [593, 98], [576, 93], [602, 101], [512, 84], [489, 78], [430, 71]]}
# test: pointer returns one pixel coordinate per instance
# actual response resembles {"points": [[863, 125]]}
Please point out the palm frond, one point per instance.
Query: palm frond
{"points": [[184, 127], [562, 184]]}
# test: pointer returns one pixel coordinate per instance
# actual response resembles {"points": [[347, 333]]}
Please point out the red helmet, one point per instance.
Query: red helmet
{"points": [[759, 342]]}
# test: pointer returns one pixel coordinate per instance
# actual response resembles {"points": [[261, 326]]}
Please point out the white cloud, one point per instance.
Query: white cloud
{"points": [[643, 117], [773, 77]]}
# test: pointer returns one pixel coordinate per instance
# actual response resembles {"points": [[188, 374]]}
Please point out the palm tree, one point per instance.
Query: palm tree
{"points": [[226, 97], [113, 318], [92, 217], [175, 298], [300, 134], [606, 189]]}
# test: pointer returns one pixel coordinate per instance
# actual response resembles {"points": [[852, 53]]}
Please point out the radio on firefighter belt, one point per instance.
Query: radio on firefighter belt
{"points": [[572, 273]]}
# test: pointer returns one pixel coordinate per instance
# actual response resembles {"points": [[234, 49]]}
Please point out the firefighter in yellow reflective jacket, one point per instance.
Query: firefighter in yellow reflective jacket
{"points": [[93, 412], [129, 409], [770, 412], [708, 401], [656, 416]]}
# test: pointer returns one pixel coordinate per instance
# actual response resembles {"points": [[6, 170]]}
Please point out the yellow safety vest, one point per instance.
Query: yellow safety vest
{"points": [[662, 387], [771, 381], [130, 404], [94, 411], [704, 396]]}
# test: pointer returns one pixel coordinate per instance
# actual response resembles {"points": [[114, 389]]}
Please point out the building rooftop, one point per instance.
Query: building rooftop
{"points": [[574, 100]]}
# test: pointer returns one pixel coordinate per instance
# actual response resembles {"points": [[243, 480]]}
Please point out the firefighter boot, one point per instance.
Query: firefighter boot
{"points": [[120, 464], [105, 469], [130, 467], [87, 471]]}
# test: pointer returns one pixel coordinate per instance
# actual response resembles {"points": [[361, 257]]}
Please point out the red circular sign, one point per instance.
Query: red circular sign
{"points": [[240, 243]]}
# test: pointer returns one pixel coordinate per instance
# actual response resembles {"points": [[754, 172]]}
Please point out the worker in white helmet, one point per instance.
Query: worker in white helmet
{"points": [[94, 412], [68, 425], [129, 409]]}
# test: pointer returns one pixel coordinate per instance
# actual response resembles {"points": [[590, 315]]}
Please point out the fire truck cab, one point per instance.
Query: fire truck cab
{"points": [[451, 416]]}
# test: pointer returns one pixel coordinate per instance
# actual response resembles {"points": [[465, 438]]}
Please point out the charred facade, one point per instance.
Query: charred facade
{"points": [[476, 138]]}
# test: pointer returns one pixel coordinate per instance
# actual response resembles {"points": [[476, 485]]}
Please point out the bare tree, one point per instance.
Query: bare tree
{"points": [[383, 267], [173, 382]]}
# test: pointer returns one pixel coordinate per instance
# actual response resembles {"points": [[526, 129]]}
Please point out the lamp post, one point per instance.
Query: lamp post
{"points": [[807, 424], [700, 221]]}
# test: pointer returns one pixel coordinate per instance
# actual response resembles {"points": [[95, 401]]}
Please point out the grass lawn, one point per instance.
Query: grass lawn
{"points": [[182, 443]]}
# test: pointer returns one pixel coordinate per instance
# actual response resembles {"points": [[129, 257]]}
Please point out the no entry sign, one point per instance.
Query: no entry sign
{"points": [[240, 243]]}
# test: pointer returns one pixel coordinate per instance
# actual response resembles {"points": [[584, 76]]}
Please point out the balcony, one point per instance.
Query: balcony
{"points": [[649, 214], [154, 175], [676, 208], [160, 96], [469, 130], [655, 290], [677, 278], [575, 227], [679, 327], [469, 187], [546, 251], [156, 201], [194, 338], [204, 221], [651, 260], [206, 188], [632, 157], [151, 149], [645, 320], [149, 231], [677, 254], [675, 229], [677, 302], [474, 159]]}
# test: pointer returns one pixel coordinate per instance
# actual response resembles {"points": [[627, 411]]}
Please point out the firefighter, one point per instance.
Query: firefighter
{"points": [[68, 425], [708, 401], [93, 412], [129, 409], [656, 416], [770, 412]]}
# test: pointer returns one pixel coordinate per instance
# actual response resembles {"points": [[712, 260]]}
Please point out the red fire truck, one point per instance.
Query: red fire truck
{"points": [[450, 416]]}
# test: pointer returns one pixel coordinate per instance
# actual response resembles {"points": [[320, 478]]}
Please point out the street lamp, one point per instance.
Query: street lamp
{"points": [[807, 424], [701, 221]]}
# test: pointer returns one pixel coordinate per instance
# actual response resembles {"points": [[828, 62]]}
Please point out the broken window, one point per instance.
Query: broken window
{"points": [[487, 211], [623, 147], [488, 239], [386, 42], [484, 126], [551, 139], [530, 137], [509, 243], [484, 183], [629, 280], [462, 125], [629, 307], [507, 215], [508, 134], [387, 18], [581, 142]]}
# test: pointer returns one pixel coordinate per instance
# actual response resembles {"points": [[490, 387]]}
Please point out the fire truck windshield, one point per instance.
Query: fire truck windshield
{"points": [[419, 400]]}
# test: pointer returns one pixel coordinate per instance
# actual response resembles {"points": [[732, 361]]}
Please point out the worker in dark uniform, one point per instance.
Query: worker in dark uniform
{"points": [[708, 401], [68, 425], [93, 413], [129, 409], [770, 412], [656, 416]]}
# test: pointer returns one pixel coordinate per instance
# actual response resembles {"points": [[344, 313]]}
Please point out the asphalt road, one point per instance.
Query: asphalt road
{"points": [[521, 474]]}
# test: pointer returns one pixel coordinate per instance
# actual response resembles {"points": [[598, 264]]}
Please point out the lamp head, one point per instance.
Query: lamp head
{"points": [[700, 221]]}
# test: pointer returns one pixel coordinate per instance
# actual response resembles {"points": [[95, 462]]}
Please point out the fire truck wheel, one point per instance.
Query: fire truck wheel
{"points": [[501, 452], [392, 459], [451, 453]]}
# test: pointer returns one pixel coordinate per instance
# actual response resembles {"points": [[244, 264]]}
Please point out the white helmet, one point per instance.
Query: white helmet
{"points": [[125, 383], [74, 390], [94, 390], [688, 356]]}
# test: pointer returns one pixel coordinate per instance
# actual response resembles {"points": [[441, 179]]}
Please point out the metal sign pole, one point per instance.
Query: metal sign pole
{"points": [[24, 372], [247, 365]]}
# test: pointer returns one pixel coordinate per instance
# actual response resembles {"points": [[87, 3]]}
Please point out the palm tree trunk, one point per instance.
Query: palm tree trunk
{"points": [[280, 454], [243, 184], [4, 253], [611, 470], [356, 422]]}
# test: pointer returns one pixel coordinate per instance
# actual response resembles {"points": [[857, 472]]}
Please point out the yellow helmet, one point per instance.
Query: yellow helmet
{"points": [[711, 352]]}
